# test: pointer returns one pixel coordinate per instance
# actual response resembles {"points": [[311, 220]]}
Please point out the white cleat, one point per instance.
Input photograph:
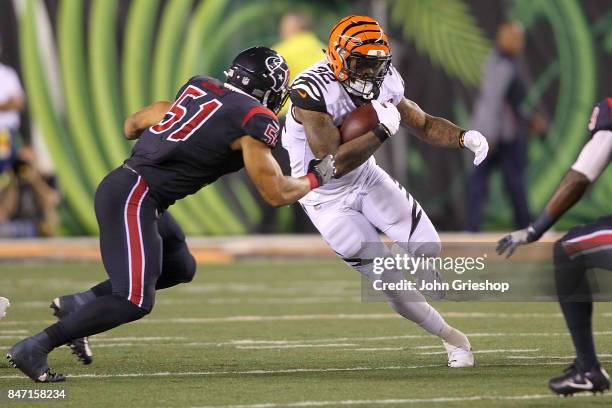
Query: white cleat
{"points": [[4, 304], [459, 357]]}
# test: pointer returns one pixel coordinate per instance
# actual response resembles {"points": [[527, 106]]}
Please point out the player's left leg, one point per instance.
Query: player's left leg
{"points": [[580, 249], [131, 252], [399, 216], [178, 266]]}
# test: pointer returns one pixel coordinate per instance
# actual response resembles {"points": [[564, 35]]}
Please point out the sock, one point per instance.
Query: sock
{"points": [[99, 315], [578, 318], [454, 337]]}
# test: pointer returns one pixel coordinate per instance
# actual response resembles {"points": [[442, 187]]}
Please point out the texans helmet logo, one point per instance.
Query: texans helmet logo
{"points": [[279, 72]]}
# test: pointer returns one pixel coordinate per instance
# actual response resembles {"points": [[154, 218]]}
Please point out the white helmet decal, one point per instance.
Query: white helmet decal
{"points": [[278, 72]]}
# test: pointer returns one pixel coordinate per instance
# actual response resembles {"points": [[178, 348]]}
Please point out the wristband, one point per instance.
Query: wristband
{"points": [[541, 225], [381, 132], [313, 179], [461, 139]]}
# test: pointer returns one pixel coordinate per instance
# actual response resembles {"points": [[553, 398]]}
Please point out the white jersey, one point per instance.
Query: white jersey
{"points": [[316, 88]]}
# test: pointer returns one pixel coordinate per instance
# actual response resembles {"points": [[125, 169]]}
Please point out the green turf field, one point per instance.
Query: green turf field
{"points": [[267, 334]]}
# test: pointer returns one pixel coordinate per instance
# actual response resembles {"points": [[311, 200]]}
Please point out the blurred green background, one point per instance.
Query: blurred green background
{"points": [[86, 65]]}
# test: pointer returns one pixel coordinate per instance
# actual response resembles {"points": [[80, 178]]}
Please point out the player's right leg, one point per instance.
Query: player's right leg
{"points": [[582, 248], [131, 252], [346, 230], [398, 215]]}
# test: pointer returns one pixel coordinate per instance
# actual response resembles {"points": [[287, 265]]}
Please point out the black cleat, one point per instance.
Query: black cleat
{"points": [[31, 358], [62, 307], [575, 380]]}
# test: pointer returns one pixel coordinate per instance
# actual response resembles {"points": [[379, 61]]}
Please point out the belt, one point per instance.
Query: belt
{"points": [[127, 166]]}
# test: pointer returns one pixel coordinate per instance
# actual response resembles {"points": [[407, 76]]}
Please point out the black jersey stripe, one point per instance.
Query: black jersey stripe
{"points": [[316, 78], [308, 82], [305, 78]]}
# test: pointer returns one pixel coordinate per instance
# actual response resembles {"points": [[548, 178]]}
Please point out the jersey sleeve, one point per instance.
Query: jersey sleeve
{"points": [[262, 124], [307, 94], [601, 118], [397, 85], [595, 155]]}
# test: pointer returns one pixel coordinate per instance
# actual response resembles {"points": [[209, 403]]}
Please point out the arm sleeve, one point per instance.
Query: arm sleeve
{"points": [[307, 93], [595, 155], [398, 85], [262, 124]]}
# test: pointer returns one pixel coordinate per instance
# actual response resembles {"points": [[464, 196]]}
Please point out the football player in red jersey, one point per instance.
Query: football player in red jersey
{"points": [[583, 247], [211, 129]]}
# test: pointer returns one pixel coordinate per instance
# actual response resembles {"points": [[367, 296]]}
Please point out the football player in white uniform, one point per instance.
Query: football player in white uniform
{"points": [[363, 197]]}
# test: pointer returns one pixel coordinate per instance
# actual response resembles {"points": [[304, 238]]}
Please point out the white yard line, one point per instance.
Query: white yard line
{"points": [[286, 346], [111, 339], [302, 317], [411, 401], [542, 357], [429, 353], [286, 371]]}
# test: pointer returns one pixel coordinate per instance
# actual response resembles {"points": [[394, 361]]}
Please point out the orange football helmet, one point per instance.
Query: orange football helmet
{"points": [[359, 54]]}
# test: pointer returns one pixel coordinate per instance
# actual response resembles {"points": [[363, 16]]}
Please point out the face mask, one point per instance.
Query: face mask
{"points": [[362, 88]]}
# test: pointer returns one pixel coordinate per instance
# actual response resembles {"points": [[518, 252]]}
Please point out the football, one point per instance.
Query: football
{"points": [[358, 122]]}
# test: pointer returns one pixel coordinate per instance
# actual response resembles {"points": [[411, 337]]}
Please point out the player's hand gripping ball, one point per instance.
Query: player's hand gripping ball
{"points": [[366, 117]]}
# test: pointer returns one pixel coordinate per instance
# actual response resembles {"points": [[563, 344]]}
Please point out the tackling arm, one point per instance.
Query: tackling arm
{"points": [[268, 178], [149, 116], [324, 138]]}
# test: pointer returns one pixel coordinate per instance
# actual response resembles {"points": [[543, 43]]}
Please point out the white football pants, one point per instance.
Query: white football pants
{"points": [[378, 201]]}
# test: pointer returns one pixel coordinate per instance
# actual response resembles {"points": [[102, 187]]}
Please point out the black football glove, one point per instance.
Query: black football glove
{"points": [[323, 169]]}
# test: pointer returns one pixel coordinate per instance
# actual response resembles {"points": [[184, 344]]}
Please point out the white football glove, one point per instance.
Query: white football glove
{"points": [[4, 303], [510, 242], [476, 142], [388, 115]]}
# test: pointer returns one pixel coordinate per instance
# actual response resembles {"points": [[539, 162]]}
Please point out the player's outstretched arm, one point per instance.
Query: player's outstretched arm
{"points": [[267, 176], [324, 138], [593, 159], [441, 132], [149, 116]]}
